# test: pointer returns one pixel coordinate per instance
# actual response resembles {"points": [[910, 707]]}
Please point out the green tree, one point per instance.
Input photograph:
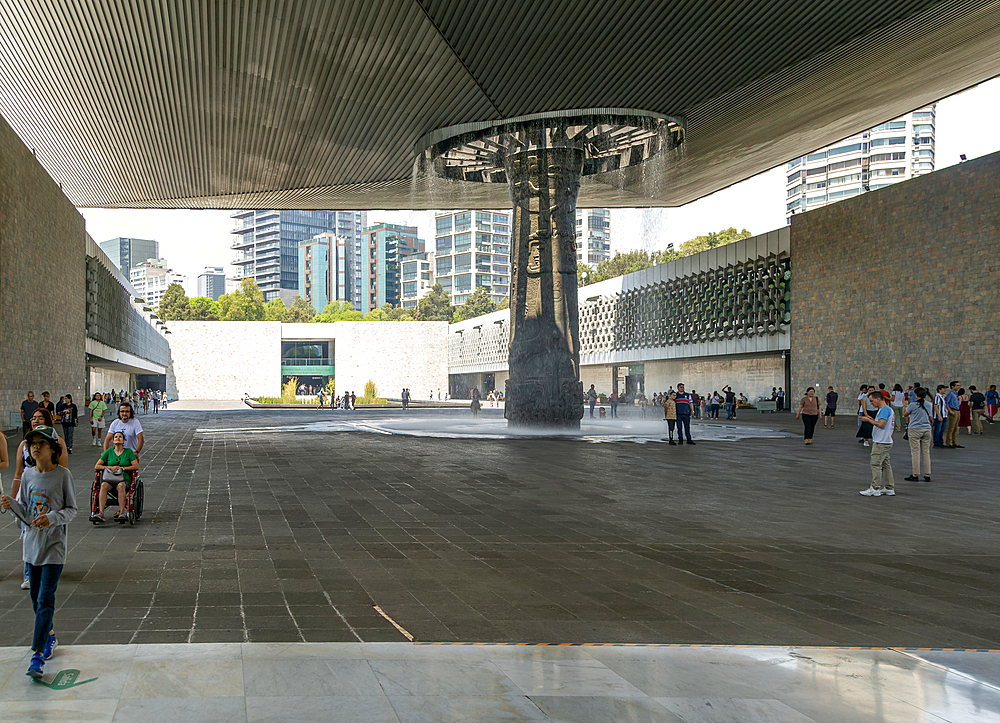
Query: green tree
{"points": [[505, 304], [338, 311], [301, 311], [376, 315], [619, 265], [246, 303], [225, 302], [711, 240], [436, 306], [275, 310], [204, 309], [478, 303], [397, 313], [175, 305]]}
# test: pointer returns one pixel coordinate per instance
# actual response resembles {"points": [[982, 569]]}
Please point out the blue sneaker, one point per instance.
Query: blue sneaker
{"points": [[50, 645], [35, 669]]}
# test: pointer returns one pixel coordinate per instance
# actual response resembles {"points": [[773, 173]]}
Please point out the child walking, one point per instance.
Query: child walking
{"points": [[47, 499]]}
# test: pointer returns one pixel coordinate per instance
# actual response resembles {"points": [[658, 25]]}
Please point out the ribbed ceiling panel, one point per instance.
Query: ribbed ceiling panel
{"points": [[317, 103], [163, 100], [663, 57]]}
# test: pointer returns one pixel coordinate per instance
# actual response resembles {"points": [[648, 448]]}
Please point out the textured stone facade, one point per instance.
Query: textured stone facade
{"points": [[42, 283], [412, 354], [224, 359], [900, 284]]}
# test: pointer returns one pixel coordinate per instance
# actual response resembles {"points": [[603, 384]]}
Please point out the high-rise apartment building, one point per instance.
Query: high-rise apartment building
{"points": [[326, 269], [151, 278], [212, 282], [418, 278], [472, 251], [889, 153], [127, 253], [593, 235], [385, 246], [267, 244]]}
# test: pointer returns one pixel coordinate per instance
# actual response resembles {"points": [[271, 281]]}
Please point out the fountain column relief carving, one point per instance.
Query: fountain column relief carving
{"points": [[544, 388]]}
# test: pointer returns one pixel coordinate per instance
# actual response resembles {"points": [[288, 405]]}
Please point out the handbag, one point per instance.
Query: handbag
{"points": [[109, 476]]}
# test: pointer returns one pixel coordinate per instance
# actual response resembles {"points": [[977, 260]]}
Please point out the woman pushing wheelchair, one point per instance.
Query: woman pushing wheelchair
{"points": [[117, 466]]}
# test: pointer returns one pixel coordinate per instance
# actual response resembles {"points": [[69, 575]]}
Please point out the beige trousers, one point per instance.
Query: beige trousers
{"points": [[881, 466], [951, 434], [920, 451]]}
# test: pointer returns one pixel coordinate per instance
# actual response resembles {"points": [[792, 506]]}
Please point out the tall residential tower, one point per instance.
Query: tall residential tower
{"points": [[468, 258], [267, 244], [892, 152], [385, 246]]}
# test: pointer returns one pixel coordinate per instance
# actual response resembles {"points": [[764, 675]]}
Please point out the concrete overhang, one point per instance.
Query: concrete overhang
{"points": [[318, 103], [106, 357]]}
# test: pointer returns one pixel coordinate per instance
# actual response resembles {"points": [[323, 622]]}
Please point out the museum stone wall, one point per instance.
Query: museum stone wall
{"points": [[42, 248], [224, 359], [900, 284]]}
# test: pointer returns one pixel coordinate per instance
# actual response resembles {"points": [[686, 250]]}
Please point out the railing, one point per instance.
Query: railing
{"points": [[315, 361]]}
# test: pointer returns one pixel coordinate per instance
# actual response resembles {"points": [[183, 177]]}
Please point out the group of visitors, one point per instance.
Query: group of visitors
{"points": [[42, 494], [150, 397], [346, 401], [494, 396], [925, 419]]}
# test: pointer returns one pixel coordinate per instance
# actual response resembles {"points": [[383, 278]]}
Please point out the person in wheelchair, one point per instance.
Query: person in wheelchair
{"points": [[128, 424], [117, 465]]}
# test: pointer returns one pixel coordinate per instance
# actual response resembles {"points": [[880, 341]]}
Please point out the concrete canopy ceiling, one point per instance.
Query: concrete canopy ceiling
{"points": [[318, 103]]}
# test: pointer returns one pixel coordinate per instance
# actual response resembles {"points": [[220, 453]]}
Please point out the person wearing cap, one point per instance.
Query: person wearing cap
{"points": [[46, 498]]}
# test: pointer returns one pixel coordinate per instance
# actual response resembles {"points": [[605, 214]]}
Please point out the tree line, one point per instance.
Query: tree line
{"points": [[626, 263], [247, 304]]}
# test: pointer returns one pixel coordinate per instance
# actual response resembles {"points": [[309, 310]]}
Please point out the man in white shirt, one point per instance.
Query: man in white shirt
{"points": [[883, 424], [129, 426]]}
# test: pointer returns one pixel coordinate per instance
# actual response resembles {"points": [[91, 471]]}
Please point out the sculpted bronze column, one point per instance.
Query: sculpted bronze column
{"points": [[541, 158], [544, 388]]}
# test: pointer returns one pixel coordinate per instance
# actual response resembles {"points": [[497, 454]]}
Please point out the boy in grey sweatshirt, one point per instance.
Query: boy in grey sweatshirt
{"points": [[47, 500]]}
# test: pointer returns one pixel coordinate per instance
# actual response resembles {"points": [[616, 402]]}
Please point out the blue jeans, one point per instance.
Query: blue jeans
{"points": [[729, 410], [68, 435], [939, 426], [683, 426], [44, 580]]}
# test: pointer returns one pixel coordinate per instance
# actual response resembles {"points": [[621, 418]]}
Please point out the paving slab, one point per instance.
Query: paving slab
{"points": [[262, 528]]}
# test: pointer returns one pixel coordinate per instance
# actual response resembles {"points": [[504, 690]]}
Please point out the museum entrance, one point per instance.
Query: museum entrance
{"points": [[630, 382]]}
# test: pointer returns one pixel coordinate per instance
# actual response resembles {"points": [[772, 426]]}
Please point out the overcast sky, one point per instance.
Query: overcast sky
{"points": [[191, 240]]}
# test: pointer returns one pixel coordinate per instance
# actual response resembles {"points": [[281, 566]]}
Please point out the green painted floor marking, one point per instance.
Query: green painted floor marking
{"points": [[65, 679]]}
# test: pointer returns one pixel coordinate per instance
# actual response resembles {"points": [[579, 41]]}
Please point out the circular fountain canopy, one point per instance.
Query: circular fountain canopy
{"points": [[477, 152]]}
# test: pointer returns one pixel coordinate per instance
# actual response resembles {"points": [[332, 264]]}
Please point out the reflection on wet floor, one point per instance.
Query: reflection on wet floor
{"points": [[640, 431], [306, 682]]}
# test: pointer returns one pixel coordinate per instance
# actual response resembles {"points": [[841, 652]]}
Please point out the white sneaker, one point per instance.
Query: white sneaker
{"points": [[867, 443], [25, 584], [888, 492], [872, 492]]}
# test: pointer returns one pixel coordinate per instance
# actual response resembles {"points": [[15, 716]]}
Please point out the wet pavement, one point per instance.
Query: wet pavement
{"points": [[289, 526]]}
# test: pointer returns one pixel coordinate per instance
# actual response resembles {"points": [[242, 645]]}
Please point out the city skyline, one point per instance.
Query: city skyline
{"points": [[964, 126]]}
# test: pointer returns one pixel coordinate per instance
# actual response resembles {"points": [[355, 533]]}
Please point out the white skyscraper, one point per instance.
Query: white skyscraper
{"points": [[892, 152], [151, 279], [472, 251], [593, 235]]}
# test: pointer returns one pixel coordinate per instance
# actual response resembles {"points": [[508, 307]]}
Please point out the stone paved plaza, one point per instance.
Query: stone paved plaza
{"points": [[278, 526]]}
